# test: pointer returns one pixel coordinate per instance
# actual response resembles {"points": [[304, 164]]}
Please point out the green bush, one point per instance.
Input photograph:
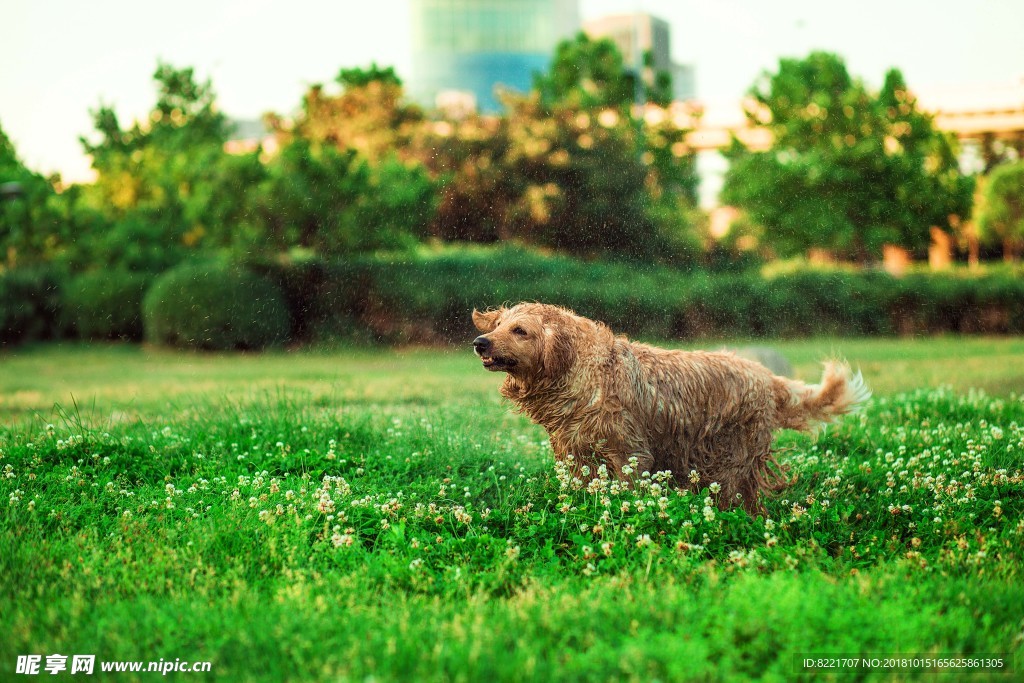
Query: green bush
{"points": [[326, 298], [30, 305], [107, 304], [215, 306], [428, 297]]}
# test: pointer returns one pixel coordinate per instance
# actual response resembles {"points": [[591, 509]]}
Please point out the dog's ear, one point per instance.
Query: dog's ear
{"points": [[486, 321], [559, 350]]}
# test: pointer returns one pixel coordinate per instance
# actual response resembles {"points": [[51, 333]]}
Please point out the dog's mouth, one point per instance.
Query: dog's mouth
{"points": [[497, 362]]}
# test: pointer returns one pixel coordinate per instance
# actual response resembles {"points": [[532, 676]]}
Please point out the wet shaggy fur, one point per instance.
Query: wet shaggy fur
{"points": [[605, 399]]}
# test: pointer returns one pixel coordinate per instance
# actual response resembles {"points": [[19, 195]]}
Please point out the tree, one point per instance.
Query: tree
{"points": [[31, 228], [154, 177], [315, 198], [368, 115], [553, 177], [346, 179], [1002, 213], [155, 164], [586, 74], [591, 74], [570, 166], [849, 170], [583, 184]]}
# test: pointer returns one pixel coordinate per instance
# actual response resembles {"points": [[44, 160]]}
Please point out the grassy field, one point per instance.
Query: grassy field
{"points": [[383, 515]]}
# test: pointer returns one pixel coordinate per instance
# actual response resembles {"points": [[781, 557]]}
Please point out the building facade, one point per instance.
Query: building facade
{"points": [[464, 49], [638, 34]]}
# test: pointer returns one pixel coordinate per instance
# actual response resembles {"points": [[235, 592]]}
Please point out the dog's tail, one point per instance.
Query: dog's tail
{"points": [[808, 406]]}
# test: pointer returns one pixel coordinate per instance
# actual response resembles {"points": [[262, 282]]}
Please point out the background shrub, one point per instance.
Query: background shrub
{"points": [[326, 298], [215, 306], [30, 304], [107, 304], [427, 297]]}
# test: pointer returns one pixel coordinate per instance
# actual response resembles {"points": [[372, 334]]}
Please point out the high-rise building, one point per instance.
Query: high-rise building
{"points": [[638, 34], [464, 49]]}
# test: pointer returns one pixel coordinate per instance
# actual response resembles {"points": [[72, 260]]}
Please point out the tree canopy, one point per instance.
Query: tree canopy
{"points": [[1002, 214], [30, 222], [850, 169], [590, 73]]}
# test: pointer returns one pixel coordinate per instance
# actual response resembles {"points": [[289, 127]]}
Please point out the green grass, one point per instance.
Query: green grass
{"points": [[347, 515]]}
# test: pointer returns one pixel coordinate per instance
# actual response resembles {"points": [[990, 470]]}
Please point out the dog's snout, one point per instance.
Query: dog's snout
{"points": [[481, 344]]}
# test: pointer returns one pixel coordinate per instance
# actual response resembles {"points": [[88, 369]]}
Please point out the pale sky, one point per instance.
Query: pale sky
{"points": [[61, 58]]}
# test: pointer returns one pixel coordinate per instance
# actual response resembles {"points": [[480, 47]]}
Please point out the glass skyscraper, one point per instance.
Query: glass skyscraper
{"points": [[474, 46]]}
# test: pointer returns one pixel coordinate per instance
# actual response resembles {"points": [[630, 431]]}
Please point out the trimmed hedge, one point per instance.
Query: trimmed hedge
{"points": [[215, 307], [30, 305], [327, 299], [427, 298], [107, 304]]}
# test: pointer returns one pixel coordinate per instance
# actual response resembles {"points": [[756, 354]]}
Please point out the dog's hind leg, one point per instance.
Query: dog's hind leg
{"points": [[743, 467]]}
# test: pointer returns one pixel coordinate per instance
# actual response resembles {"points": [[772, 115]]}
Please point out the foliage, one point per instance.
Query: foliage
{"points": [[332, 202], [396, 207], [212, 306], [425, 297], [588, 80], [30, 304], [849, 170], [107, 304], [590, 74], [233, 198], [583, 188], [154, 177], [344, 181], [31, 229], [361, 78], [326, 298], [560, 178], [137, 243], [368, 115], [396, 485], [307, 198], [1002, 214], [548, 174]]}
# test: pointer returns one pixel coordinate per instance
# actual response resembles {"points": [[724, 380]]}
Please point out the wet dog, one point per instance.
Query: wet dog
{"points": [[604, 400]]}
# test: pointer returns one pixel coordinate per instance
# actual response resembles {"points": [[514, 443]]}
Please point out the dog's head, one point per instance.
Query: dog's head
{"points": [[527, 341]]}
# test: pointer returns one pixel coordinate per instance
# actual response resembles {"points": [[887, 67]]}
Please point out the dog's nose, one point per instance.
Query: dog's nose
{"points": [[481, 344]]}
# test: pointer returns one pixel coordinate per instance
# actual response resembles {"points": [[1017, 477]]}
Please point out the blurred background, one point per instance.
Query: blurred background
{"points": [[240, 175]]}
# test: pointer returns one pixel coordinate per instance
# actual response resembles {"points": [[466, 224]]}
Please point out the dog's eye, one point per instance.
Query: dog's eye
{"points": [[518, 330]]}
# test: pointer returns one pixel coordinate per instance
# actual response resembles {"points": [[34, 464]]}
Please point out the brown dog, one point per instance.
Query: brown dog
{"points": [[605, 399]]}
